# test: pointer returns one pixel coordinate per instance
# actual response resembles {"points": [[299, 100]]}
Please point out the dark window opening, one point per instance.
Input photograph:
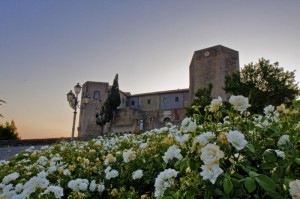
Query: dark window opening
{"points": [[149, 101], [132, 103], [176, 99]]}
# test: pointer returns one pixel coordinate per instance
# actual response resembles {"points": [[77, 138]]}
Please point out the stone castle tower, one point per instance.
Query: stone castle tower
{"points": [[211, 65], [146, 111]]}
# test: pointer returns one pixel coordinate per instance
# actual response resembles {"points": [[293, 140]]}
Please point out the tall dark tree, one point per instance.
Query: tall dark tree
{"points": [[8, 131], [264, 84], [115, 99], [110, 105]]}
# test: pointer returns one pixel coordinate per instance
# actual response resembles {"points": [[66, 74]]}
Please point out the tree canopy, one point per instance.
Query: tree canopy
{"points": [[203, 99], [264, 84], [8, 131]]}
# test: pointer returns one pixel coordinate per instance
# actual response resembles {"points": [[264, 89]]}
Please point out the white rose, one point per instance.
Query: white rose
{"points": [[211, 172], [240, 103], [211, 154], [237, 139], [215, 105]]}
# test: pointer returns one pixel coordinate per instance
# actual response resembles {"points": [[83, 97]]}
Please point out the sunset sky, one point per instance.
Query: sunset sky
{"points": [[46, 47]]}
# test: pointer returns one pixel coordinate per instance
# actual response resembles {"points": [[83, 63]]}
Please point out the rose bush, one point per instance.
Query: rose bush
{"points": [[230, 155]]}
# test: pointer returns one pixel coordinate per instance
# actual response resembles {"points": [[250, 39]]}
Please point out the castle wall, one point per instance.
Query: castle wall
{"points": [[152, 110], [149, 102]]}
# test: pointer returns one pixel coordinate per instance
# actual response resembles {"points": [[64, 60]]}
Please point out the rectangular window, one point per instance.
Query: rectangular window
{"points": [[149, 101], [96, 95], [132, 103], [176, 99]]}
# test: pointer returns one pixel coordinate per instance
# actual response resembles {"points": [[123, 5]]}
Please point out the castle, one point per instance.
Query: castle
{"points": [[146, 111]]}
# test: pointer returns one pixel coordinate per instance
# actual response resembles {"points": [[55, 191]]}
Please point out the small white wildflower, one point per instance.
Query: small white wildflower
{"points": [[67, 172], [93, 186], [129, 155], [280, 154], [283, 140], [268, 110], [100, 188], [137, 174], [143, 145]]}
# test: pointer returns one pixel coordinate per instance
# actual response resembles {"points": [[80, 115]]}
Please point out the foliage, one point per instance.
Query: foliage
{"points": [[1, 101], [203, 99], [9, 131], [263, 83], [114, 95], [113, 101], [110, 105], [244, 156]]}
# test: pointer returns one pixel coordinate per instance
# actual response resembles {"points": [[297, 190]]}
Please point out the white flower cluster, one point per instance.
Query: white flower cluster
{"points": [[172, 152], [128, 155], [10, 177], [42, 160], [215, 105], [210, 155], [188, 125], [239, 103], [94, 186], [295, 189], [56, 190], [182, 139], [237, 139], [204, 138], [24, 191], [163, 181], [138, 174], [78, 184], [109, 173], [110, 159], [3, 162]]}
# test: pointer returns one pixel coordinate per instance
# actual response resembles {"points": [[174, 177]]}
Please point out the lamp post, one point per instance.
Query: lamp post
{"points": [[74, 104]]}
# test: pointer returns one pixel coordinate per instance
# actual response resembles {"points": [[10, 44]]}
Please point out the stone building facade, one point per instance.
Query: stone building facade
{"points": [[141, 112]]}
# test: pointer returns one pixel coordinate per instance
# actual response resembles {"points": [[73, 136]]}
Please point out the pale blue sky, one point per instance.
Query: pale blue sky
{"points": [[46, 47]]}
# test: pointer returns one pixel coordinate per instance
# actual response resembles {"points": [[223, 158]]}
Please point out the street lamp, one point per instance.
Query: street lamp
{"points": [[74, 103]]}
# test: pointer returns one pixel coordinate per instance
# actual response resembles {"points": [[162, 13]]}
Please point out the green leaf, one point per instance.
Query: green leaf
{"points": [[270, 156], [265, 182], [297, 160], [253, 174], [250, 184], [251, 148], [227, 185]]}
